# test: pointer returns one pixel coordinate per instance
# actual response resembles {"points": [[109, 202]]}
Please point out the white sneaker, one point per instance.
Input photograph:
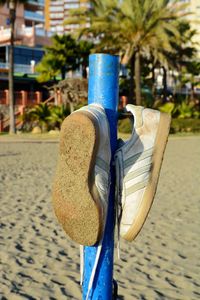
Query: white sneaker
{"points": [[82, 181], [138, 162]]}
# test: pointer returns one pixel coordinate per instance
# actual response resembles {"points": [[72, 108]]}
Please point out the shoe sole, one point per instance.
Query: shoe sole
{"points": [[161, 140], [75, 196]]}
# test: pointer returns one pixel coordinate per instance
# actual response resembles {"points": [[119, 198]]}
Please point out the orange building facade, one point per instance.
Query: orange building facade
{"points": [[58, 11]]}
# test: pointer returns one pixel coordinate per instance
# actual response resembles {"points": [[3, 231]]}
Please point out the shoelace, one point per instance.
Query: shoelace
{"points": [[99, 247], [81, 263], [118, 196]]}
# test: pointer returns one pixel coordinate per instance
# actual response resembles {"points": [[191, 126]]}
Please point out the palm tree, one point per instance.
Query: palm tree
{"points": [[131, 28], [48, 68], [41, 114], [180, 58], [63, 55], [84, 49], [184, 49], [60, 57], [64, 49], [12, 4], [58, 114]]}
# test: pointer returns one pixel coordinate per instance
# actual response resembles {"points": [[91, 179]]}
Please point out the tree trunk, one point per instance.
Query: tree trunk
{"points": [[164, 84], [192, 95], [84, 70], [11, 68], [131, 93], [55, 96], [153, 82], [137, 79], [63, 72], [71, 107]]}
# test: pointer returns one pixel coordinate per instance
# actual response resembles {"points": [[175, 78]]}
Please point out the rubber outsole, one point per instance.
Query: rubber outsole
{"points": [[147, 201], [75, 197]]}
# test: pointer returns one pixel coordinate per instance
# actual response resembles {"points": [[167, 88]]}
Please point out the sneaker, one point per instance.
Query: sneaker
{"points": [[82, 181], [138, 162]]}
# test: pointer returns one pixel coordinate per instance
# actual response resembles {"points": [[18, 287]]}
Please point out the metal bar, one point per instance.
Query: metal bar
{"points": [[103, 89]]}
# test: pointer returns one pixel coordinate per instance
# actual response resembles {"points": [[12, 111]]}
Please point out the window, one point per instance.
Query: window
{"points": [[24, 55], [56, 8], [71, 5], [70, 1], [56, 16]]}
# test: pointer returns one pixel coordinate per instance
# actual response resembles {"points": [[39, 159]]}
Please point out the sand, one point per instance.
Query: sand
{"points": [[37, 260]]}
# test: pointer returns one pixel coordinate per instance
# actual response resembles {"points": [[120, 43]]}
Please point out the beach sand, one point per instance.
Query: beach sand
{"points": [[38, 261]]}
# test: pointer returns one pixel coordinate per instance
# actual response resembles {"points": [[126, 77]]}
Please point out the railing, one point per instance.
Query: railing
{"points": [[24, 31], [18, 98], [56, 3], [42, 32], [33, 16], [4, 123], [18, 68], [25, 69], [32, 98], [38, 2], [22, 98], [5, 32], [56, 98], [50, 99], [3, 97]]}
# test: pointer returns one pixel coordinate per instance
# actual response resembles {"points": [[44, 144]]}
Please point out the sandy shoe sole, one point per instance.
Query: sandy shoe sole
{"points": [[75, 197], [160, 142]]}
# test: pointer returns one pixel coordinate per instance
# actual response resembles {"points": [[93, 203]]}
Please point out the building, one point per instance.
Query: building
{"points": [[193, 8], [58, 10], [30, 36], [195, 24]]}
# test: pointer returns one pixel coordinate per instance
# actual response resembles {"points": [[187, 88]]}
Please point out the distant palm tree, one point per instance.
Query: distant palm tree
{"points": [[41, 114], [131, 28], [58, 114], [64, 49], [84, 48], [12, 4], [48, 68], [184, 50], [63, 55]]}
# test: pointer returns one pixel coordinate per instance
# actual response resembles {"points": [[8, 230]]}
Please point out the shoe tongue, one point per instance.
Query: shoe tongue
{"points": [[137, 114]]}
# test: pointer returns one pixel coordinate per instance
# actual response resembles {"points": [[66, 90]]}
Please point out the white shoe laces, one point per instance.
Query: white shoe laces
{"points": [[81, 263], [92, 276], [118, 196]]}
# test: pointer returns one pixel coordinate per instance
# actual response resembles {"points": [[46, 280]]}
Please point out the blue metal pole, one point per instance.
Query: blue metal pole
{"points": [[103, 89]]}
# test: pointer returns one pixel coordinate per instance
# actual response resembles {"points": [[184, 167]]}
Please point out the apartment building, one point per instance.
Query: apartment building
{"points": [[30, 36], [193, 8], [195, 24], [59, 11]]}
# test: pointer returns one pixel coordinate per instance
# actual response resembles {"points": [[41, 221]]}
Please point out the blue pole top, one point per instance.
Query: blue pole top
{"points": [[103, 80], [103, 89]]}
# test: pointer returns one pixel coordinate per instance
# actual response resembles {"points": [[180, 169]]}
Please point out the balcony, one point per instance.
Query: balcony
{"points": [[24, 69], [42, 32], [4, 34], [36, 2], [33, 16], [56, 3], [28, 36]]}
